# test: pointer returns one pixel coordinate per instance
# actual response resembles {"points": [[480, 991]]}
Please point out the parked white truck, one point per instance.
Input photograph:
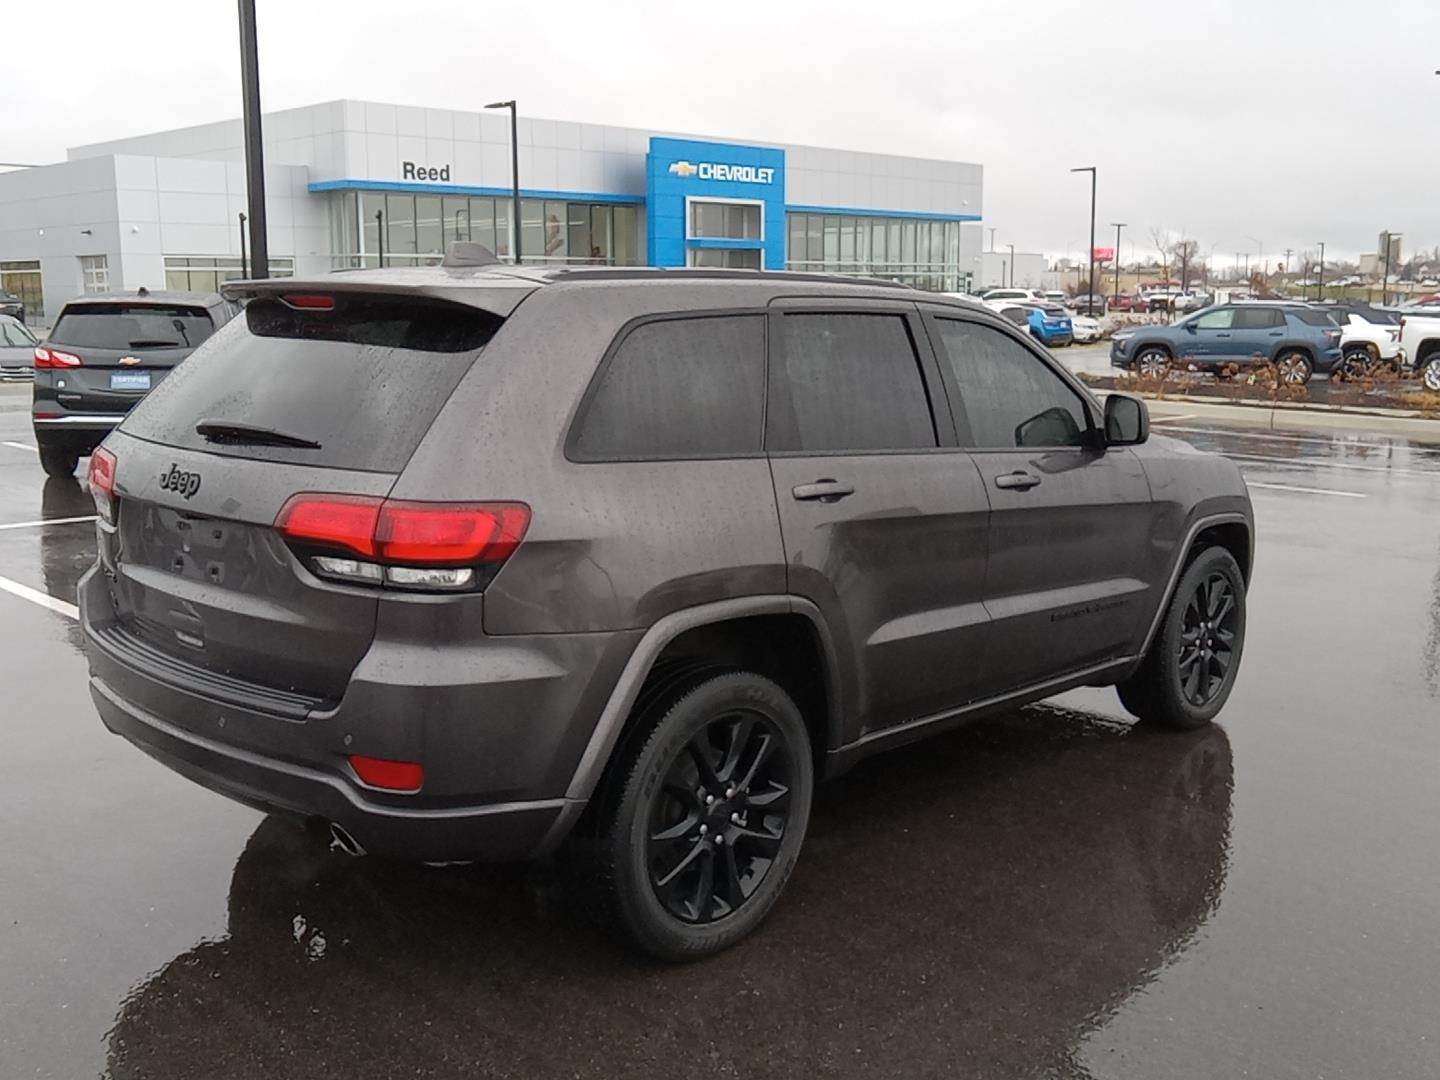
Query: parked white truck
{"points": [[1420, 338]]}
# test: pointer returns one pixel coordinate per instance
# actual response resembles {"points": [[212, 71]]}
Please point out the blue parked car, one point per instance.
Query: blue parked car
{"points": [[1047, 323], [1298, 340]]}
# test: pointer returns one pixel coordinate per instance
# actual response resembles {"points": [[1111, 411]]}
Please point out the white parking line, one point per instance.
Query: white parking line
{"points": [[46, 521], [1321, 463], [21, 446], [1281, 436], [1306, 490], [35, 596], [1171, 419]]}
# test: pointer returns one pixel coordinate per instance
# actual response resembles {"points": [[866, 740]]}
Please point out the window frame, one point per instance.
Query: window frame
{"points": [[932, 313], [576, 456], [691, 201], [931, 376]]}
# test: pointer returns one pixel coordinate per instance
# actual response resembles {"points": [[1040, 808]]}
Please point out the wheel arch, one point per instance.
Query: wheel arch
{"points": [[1232, 531], [762, 633], [1427, 351]]}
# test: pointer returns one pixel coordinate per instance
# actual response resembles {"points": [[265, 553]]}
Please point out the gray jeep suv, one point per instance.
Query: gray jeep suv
{"points": [[468, 561]]}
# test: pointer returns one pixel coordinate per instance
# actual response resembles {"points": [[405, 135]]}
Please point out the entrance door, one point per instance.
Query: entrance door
{"points": [[1065, 582], [883, 518]]}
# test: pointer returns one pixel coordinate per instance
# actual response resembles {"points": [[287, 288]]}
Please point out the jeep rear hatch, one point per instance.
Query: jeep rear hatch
{"points": [[306, 392]]}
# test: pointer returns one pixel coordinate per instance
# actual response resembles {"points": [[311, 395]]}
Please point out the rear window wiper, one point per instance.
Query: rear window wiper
{"points": [[229, 432]]}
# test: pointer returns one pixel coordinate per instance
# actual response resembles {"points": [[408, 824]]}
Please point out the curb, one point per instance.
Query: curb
{"points": [[1292, 417]]}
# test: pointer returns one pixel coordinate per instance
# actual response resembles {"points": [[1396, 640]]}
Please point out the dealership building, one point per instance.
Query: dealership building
{"points": [[349, 183]]}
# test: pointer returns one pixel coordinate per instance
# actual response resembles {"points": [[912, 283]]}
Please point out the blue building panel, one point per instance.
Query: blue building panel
{"points": [[681, 169]]}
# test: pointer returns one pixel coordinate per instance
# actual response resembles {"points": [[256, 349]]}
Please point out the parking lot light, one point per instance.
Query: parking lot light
{"points": [[514, 174]]}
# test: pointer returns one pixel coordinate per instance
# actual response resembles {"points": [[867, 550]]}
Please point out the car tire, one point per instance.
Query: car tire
{"points": [[1430, 374], [1184, 679], [1152, 362], [689, 857], [1293, 367], [1356, 363], [58, 460]]}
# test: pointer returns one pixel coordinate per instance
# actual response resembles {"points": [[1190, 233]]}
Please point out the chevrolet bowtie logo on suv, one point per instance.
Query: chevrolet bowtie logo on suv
{"points": [[128, 361], [683, 168]]}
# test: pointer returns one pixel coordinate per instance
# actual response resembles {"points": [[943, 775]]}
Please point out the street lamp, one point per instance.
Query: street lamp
{"points": [[244, 266], [1320, 283], [1118, 226], [1012, 267], [1089, 303], [514, 172]]}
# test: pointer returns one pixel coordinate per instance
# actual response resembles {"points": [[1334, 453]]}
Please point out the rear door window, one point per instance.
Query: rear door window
{"points": [[1258, 318], [132, 326], [364, 378], [846, 382], [1312, 318], [678, 388]]}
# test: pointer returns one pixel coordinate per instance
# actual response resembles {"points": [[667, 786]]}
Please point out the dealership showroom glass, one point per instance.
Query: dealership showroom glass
{"points": [[349, 183]]}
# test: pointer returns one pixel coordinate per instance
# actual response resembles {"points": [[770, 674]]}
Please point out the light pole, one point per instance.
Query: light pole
{"points": [[1012, 266], [1390, 239], [254, 143], [244, 266], [1320, 283], [514, 172], [380, 238], [1118, 226], [1089, 302], [992, 239]]}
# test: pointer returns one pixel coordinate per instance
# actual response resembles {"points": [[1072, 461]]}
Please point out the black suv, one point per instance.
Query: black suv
{"points": [[105, 353], [469, 560]]}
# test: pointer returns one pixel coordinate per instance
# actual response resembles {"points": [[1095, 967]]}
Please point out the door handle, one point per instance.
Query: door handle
{"points": [[822, 491], [1222, 335], [1017, 481]]}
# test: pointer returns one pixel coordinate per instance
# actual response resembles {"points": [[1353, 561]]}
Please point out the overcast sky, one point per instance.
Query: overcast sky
{"points": [[1235, 122]]}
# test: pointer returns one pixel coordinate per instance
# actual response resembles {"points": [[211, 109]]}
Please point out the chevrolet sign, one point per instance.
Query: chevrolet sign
{"points": [[711, 170]]}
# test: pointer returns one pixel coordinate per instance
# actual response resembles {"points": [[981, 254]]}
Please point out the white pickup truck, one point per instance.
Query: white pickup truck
{"points": [[1420, 338]]}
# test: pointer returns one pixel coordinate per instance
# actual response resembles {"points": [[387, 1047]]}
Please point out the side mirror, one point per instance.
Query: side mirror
{"points": [[1190, 327], [1127, 420]]}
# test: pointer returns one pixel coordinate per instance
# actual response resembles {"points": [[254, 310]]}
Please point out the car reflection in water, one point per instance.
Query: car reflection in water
{"points": [[974, 905], [66, 551]]}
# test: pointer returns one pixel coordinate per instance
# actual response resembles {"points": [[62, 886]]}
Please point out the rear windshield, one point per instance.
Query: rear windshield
{"points": [[1312, 318], [1376, 316], [364, 379], [132, 326]]}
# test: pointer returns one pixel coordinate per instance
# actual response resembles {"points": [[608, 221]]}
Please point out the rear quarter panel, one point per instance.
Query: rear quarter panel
{"points": [[611, 546]]}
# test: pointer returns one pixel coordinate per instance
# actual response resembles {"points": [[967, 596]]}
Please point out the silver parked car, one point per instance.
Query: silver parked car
{"points": [[17, 349]]}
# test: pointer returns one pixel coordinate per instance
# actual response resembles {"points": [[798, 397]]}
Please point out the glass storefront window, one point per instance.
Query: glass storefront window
{"points": [[602, 225], [456, 211], [400, 227], [921, 252], [206, 273], [628, 223], [728, 258], [503, 234], [532, 230], [21, 278], [429, 239], [371, 204], [832, 243], [556, 240], [94, 274]]}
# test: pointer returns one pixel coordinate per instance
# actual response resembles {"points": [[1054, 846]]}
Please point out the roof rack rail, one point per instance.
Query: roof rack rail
{"points": [[620, 273]]}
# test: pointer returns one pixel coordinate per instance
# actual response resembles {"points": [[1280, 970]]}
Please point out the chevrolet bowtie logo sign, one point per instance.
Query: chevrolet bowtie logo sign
{"points": [[711, 170], [128, 361]]}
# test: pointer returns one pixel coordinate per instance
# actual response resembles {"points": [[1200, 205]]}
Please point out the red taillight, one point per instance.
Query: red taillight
{"points": [[390, 775], [102, 483], [439, 533], [310, 301], [408, 538], [46, 357], [345, 521]]}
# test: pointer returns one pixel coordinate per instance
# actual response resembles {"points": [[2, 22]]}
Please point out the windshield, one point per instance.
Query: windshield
{"points": [[132, 326], [14, 334]]}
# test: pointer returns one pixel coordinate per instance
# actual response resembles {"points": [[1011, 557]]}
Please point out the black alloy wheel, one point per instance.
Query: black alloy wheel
{"points": [[1208, 630], [719, 817]]}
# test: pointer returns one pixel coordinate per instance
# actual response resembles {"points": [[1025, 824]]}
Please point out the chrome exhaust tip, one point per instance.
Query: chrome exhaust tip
{"points": [[341, 839]]}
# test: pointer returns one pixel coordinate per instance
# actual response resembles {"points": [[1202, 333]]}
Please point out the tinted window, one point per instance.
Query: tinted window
{"points": [[677, 389], [1312, 318], [1219, 319], [847, 382], [131, 326], [1258, 318], [364, 379], [1008, 397]]}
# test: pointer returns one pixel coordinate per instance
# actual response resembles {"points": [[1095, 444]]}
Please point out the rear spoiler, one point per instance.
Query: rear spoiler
{"points": [[470, 275]]}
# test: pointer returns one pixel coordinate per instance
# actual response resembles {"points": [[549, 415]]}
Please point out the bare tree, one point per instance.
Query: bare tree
{"points": [[1161, 236]]}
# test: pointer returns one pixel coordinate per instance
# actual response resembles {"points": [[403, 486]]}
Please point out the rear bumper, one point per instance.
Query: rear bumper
{"points": [[500, 832], [500, 729]]}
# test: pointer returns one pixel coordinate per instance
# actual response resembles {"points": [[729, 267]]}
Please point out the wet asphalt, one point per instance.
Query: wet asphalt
{"points": [[1052, 893]]}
